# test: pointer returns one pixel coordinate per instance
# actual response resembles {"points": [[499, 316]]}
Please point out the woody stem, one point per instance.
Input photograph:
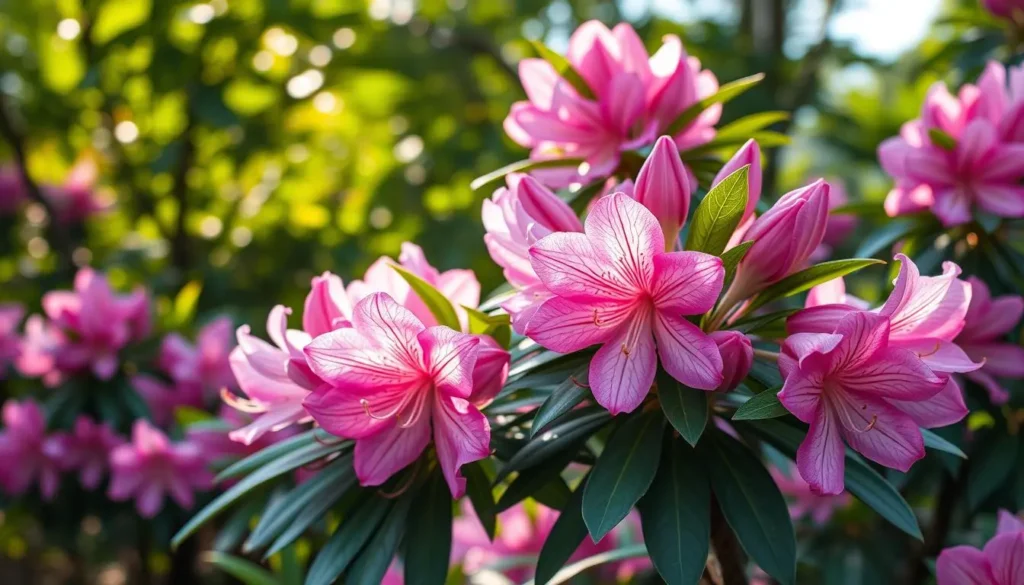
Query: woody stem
{"points": [[727, 549]]}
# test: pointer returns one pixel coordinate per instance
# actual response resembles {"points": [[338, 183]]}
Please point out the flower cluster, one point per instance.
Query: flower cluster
{"points": [[72, 201], [999, 563]]}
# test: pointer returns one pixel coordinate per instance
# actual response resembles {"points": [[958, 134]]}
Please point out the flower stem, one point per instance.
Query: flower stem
{"points": [[766, 355]]}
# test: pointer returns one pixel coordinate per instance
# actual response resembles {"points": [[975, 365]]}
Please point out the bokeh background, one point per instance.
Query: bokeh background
{"points": [[247, 145]]}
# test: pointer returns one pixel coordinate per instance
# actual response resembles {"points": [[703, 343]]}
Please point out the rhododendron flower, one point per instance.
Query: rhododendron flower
{"points": [[87, 448], [784, 239], [1012, 10], [839, 225], [663, 187], [515, 218], [204, 363], [986, 324], [615, 286], [1001, 562], [852, 385], [100, 321], [27, 455], [636, 98], [151, 466], [41, 343], [984, 167], [72, 201], [10, 341], [802, 499], [163, 398], [737, 357], [460, 287], [391, 380]]}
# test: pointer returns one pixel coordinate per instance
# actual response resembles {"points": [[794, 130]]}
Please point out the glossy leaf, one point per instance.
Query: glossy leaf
{"points": [[370, 566], [347, 541], [567, 396], [809, 277], [478, 490], [246, 571], [564, 538], [719, 213], [430, 521], [684, 407], [439, 306], [990, 468], [580, 424], [762, 406]]}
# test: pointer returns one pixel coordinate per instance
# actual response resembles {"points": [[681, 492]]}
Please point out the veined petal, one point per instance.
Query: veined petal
{"points": [[865, 336], [258, 386], [346, 358], [686, 352], [688, 283], [266, 360], [344, 414], [623, 104], [1001, 200], [821, 457], [943, 409], [450, 357], [325, 303], [963, 565], [927, 306], [1005, 555], [817, 319], [570, 267], [390, 450], [626, 233], [800, 346], [942, 356], [1005, 360], [892, 373], [275, 418], [565, 326], [462, 435], [801, 392], [622, 371], [877, 430], [391, 327]]}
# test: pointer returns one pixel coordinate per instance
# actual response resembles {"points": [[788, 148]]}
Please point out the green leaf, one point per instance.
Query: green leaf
{"points": [[478, 489], [719, 213], [327, 496], [565, 537], [567, 396], [612, 556], [762, 406], [554, 494], [244, 570], [369, 568], [751, 325], [522, 166], [807, 278], [426, 555], [676, 515], [533, 479], [765, 372], [725, 93], [990, 468], [268, 454], [742, 128], [496, 326], [288, 462], [579, 424], [684, 407], [185, 303], [752, 505], [436, 302], [731, 259], [891, 232], [936, 442], [622, 473], [116, 17], [941, 139], [347, 541], [564, 69]]}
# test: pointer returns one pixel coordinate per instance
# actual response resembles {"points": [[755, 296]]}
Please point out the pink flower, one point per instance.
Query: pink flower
{"points": [[327, 305], [737, 357], [10, 342], [390, 381], [987, 322], [636, 98], [515, 218], [87, 448], [663, 187], [12, 193], [163, 399], [803, 501], [1012, 10], [101, 322], [42, 342], [852, 385], [206, 363], [615, 286], [75, 199], [985, 166], [151, 466], [1001, 562], [27, 455]]}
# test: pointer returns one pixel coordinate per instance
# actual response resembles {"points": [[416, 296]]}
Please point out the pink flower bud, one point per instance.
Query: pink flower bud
{"points": [[737, 357], [748, 154], [784, 239], [543, 206], [663, 187], [326, 305]]}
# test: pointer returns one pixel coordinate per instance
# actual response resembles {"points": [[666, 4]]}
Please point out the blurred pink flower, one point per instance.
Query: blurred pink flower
{"points": [[206, 363], [27, 455], [163, 398], [42, 343], [802, 499], [1001, 562], [986, 324], [853, 385], [151, 466], [100, 322], [390, 382], [215, 443], [72, 201], [87, 448], [984, 167], [10, 340], [1012, 10], [636, 98], [839, 226]]}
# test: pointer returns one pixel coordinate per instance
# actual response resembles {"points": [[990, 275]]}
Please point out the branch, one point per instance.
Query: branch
{"points": [[731, 561]]}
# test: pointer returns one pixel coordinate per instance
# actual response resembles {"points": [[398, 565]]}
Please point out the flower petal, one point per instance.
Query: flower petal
{"points": [[622, 371], [943, 409], [343, 357], [390, 450], [325, 303], [802, 391], [450, 357], [821, 457], [570, 267], [688, 283], [1003, 360], [351, 416], [1005, 555], [877, 430], [462, 435], [1001, 200], [962, 565], [817, 319], [565, 326], [865, 335], [626, 233], [892, 373], [686, 352]]}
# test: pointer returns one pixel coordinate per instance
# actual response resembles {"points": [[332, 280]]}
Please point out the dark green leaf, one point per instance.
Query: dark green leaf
{"points": [[565, 537], [522, 166], [478, 489], [347, 541], [676, 518], [941, 139], [578, 424], [439, 306], [731, 259], [752, 505], [268, 454], [725, 93], [891, 232], [809, 277], [719, 213], [538, 477], [762, 406], [765, 372], [370, 566], [244, 570], [936, 442], [685, 408], [622, 473], [612, 556], [990, 468], [430, 521], [567, 396], [317, 507], [554, 494], [751, 325], [564, 69]]}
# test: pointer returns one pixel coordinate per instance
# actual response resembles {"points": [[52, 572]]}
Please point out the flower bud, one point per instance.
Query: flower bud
{"points": [[748, 154], [663, 187], [543, 206], [737, 357], [325, 305]]}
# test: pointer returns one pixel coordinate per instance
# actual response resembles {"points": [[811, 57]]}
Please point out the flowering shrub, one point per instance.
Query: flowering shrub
{"points": [[673, 381]]}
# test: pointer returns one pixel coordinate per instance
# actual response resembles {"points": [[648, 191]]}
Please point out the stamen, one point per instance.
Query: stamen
{"points": [[932, 352], [366, 408], [625, 349], [241, 404], [417, 411], [597, 320]]}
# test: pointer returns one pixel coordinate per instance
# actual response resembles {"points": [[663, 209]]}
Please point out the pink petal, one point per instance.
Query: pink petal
{"points": [[632, 53], [663, 187], [800, 348], [1005, 554], [569, 266], [926, 306], [801, 393], [687, 283], [1009, 524], [942, 356], [543, 206], [625, 232], [623, 103], [346, 415], [565, 327], [539, 79], [257, 385], [150, 500], [817, 319], [1001, 200], [865, 336], [274, 419], [952, 207], [821, 457], [491, 370], [622, 371], [996, 393], [686, 352], [1004, 165], [462, 435], [943, 409], [589, 54], [325, 303], [346, 358], [911, 198], [974, 146], [390, 450], [1003, 360], [893, 373], [963, 565], [877, 430], [450, 356]]}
